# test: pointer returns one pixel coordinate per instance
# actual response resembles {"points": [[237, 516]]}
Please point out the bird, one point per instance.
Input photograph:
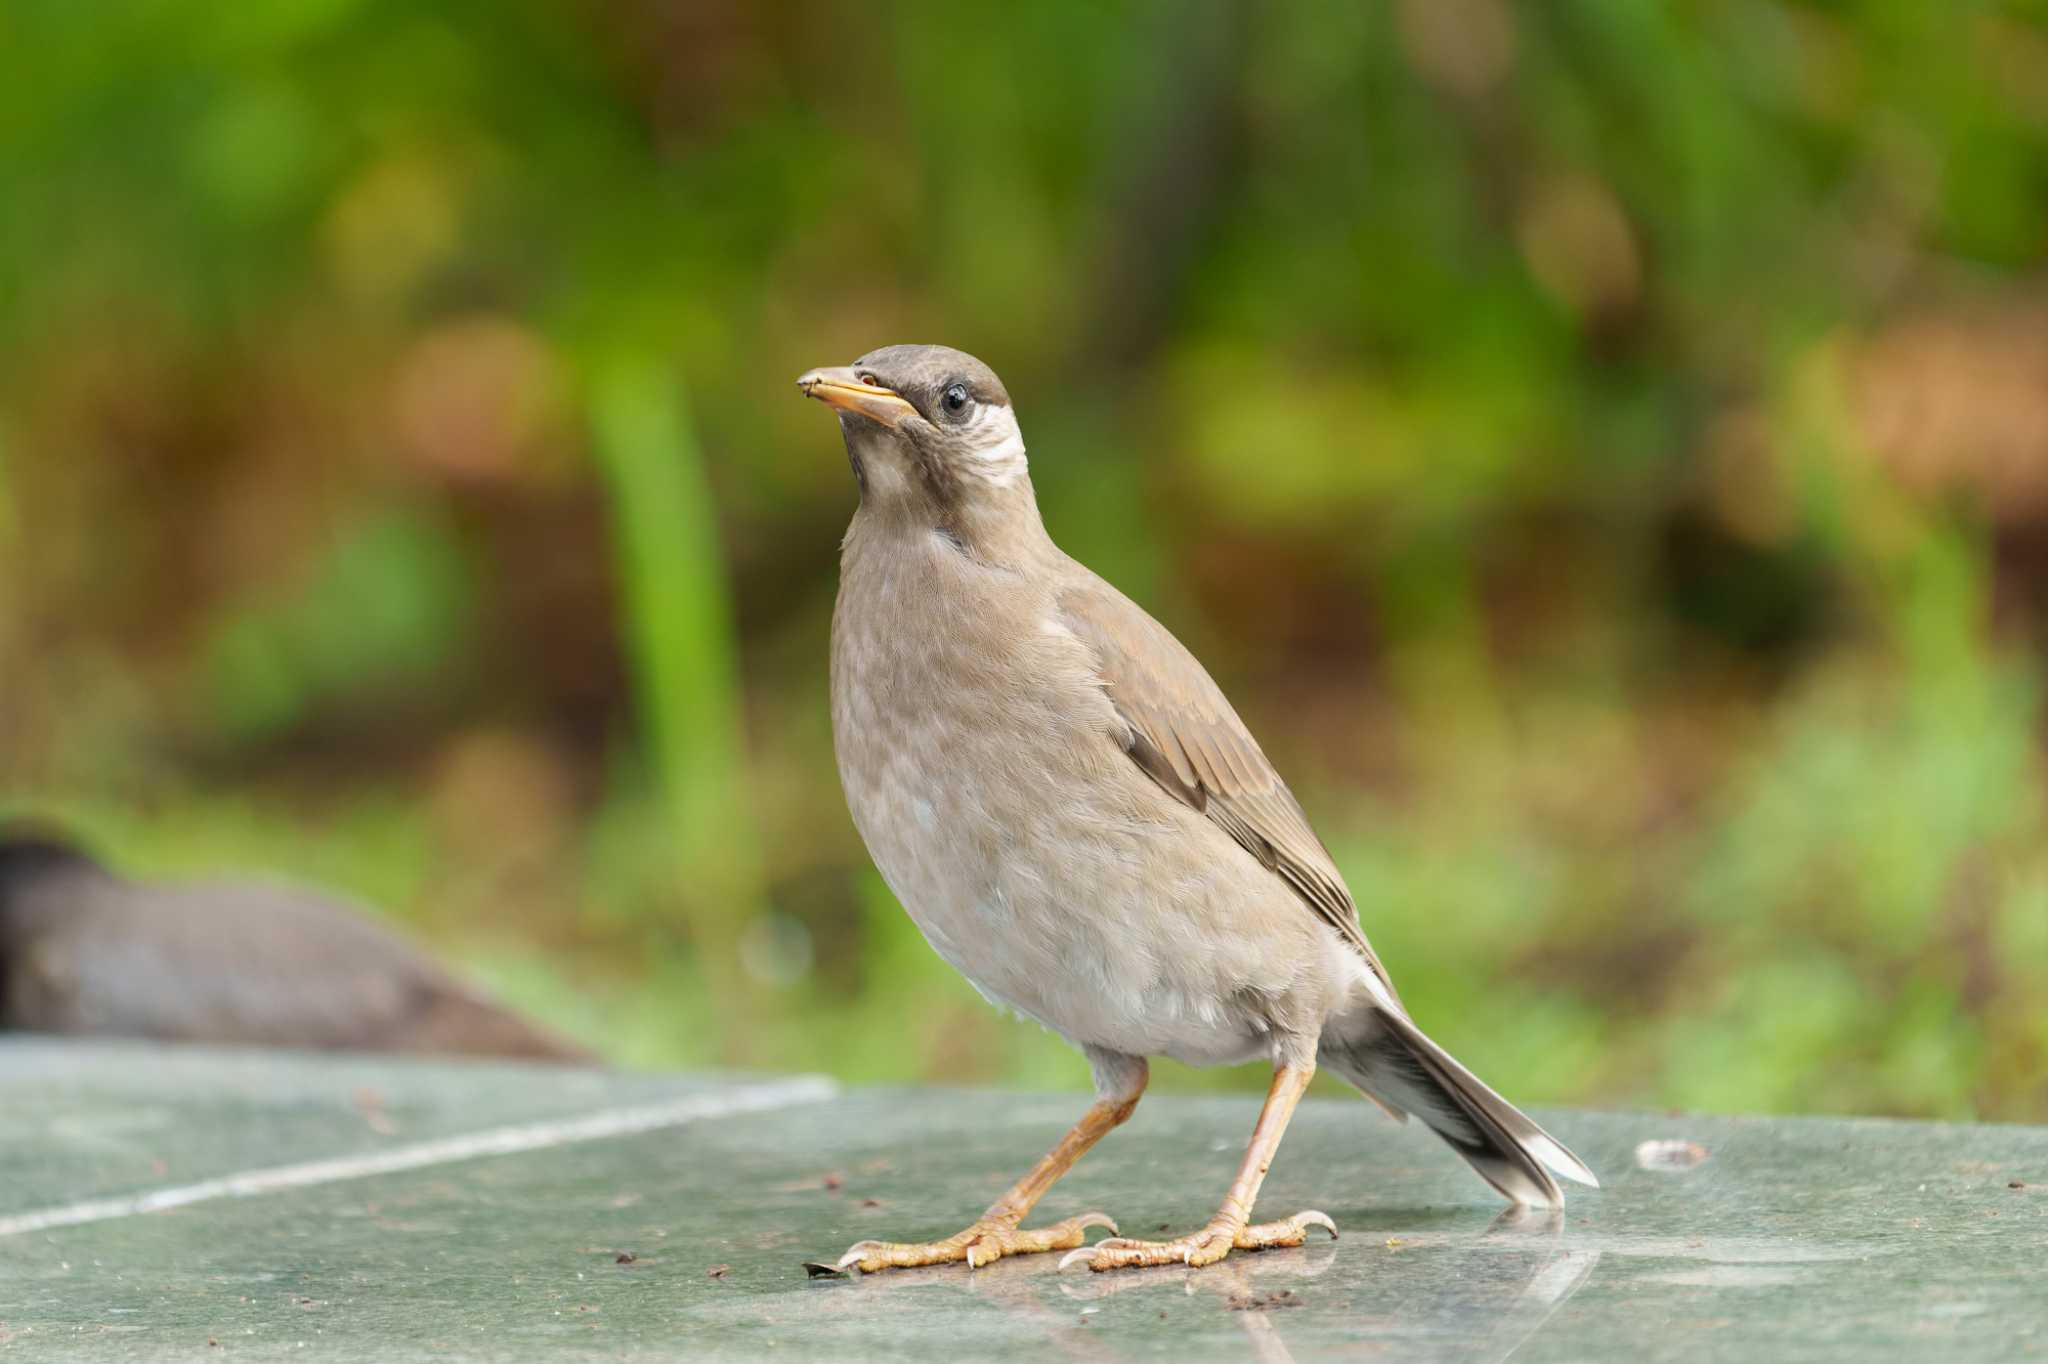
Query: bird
{"points": [[1067, 806], [85, 952]]}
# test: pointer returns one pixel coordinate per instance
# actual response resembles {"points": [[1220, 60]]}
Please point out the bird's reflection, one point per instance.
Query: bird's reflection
{"points": [[1554, 1272], [1485, 1295], [1255, 1289]]}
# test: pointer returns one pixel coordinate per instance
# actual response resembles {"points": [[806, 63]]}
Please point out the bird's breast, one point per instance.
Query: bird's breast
{"points": [[979, 756], [969, 745]]}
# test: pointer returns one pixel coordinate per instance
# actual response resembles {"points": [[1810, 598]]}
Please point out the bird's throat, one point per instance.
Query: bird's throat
{"points": [[999, 528]]}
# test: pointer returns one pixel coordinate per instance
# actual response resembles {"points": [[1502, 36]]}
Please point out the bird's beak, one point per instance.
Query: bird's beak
{"points": [[840, 388]]}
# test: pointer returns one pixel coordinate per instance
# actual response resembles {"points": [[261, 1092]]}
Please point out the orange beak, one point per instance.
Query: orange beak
{"points": [[842, 389]]}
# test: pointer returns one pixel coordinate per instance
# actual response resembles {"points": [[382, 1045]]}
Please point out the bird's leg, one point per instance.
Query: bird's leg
{"points": [[996, 1232], [1230, 1229]]}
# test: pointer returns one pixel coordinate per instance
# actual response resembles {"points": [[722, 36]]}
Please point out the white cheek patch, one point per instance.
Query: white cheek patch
{"points": [[996, 444]]}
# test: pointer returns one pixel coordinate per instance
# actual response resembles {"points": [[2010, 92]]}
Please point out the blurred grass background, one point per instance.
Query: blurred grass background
{"points": [[1601, 446]]}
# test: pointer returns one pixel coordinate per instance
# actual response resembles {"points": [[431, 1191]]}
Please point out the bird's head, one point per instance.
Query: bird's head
{"points": [[928, 428]]}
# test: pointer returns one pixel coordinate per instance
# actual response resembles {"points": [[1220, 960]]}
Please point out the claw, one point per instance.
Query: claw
{"points": [[856, 1253], [983, 1243], [1203, 1247]]}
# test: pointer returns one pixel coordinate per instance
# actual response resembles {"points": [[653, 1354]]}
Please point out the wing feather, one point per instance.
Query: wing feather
{"points": [[1185, 736]]}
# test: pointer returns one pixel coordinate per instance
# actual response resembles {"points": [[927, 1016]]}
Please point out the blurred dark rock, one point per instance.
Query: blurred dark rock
{"points": [[84, 952]]}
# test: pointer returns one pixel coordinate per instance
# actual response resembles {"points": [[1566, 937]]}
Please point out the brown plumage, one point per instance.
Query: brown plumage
{"points": [[86, 953], [1076, 818], [1188, 739]]}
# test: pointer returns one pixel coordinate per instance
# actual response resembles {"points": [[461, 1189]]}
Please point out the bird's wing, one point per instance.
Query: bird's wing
{"points": [[1186, 737]]}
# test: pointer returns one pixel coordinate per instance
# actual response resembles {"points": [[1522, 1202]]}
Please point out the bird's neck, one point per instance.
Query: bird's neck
{"points": [[996, 523]]}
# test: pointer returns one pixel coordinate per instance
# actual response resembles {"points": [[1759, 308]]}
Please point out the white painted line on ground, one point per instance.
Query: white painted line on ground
{"points": [[496, 1141]]}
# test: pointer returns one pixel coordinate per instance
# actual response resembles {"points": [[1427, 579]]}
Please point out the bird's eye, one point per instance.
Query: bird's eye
{"points": [[955, 399]]}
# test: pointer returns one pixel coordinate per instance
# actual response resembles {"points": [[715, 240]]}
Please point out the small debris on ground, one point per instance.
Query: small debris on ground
{"points": [[1260, 1302], [834, 1181], [719, 1271], [624, 1257], [370, 1103], [871, 1202], [1669, 1155], [2017, 1184]]}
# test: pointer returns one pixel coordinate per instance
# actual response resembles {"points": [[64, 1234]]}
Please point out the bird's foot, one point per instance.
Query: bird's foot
{"points": [[1204, 1247], [987, 1241]]}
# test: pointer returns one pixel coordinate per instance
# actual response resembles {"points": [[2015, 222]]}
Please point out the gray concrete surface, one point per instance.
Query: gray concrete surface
{"points": [[347, 1208]]}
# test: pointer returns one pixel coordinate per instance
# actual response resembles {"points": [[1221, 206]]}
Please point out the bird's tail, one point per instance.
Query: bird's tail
{"points": [[1392, 1061]]}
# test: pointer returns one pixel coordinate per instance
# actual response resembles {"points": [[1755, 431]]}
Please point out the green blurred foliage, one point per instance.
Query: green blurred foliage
{"points": [[1603, 446]]}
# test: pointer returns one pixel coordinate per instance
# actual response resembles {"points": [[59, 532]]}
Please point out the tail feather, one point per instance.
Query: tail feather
{"points": [[1394, 1063]]}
